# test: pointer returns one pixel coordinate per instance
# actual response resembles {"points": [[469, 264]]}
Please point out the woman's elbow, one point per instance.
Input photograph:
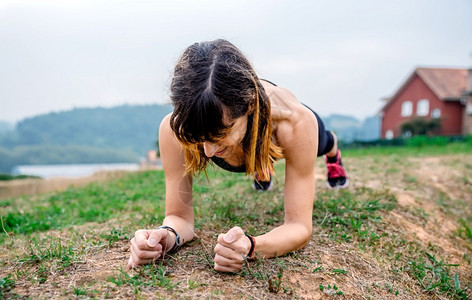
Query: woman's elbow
{"points": [[305, 236]]}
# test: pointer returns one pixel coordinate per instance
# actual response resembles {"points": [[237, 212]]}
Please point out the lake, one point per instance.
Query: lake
{"points": [[72, 170]]}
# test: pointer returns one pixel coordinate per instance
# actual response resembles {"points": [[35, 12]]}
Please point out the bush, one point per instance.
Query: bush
{"points": [[417, 141], [468, 139], [439, 140], [420, 126], [422, 141]]}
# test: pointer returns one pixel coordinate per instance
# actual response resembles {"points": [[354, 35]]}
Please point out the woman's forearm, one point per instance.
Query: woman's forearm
{"points": [[282, 240]]}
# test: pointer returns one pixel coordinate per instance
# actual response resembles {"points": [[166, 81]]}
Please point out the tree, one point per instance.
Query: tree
{"points": [[421, 126]]}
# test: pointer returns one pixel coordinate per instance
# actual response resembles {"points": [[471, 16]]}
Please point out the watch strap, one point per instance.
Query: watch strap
{"points": [[177, 237]]}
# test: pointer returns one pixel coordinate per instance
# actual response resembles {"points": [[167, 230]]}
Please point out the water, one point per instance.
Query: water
{"points": [[73, 170]]}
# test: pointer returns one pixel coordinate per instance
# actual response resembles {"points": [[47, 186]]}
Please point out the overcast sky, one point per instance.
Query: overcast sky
{"points": [[336, 56]]}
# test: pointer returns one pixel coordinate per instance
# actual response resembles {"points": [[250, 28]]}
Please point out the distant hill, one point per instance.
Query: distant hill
{"points": [[5, 127], [370, 129], [83, 135], [125, 127], [349, 129]]}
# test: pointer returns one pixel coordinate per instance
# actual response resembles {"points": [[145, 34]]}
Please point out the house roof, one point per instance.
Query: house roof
{"points": [[446, 83]]}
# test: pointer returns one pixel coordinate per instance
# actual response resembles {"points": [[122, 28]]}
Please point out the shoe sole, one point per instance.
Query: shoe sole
{"points": [[338, 186], [271, 185]]}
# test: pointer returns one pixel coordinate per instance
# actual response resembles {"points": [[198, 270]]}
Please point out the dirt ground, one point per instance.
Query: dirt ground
{"points": [[420, 186]]}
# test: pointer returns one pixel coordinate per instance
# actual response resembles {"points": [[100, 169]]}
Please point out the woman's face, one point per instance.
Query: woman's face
{"points": [[226, 146]]}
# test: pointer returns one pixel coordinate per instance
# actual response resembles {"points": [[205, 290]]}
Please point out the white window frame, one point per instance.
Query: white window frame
{"points": [[407, 109], [422, 108], [436, 113], [468, 109]]}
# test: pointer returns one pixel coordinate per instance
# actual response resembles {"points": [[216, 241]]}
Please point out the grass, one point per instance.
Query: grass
{"points": [[434, 275], [331, 290], [464, 230], [365, 242], [413, 150], [353, 214], [55, 249], [150, 275], [6, 284], [137, 193]]}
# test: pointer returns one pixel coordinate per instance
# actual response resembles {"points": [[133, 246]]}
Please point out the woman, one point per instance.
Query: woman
{"points": [[224, 113]]}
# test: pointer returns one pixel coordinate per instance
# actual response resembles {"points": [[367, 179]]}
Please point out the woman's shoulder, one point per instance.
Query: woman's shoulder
{"points": [[165, 124], [165, 130], [291, 119], [285, 107]]}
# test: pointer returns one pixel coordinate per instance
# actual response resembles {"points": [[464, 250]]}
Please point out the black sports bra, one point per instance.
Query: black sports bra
{"points": [[226, 166]]}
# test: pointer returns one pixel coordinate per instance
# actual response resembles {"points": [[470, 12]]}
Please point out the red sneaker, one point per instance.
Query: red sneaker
{"points": [[336, 174], [260, 185]]}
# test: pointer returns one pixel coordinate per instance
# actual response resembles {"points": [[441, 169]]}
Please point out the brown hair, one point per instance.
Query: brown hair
{"points": [[212, 79]]}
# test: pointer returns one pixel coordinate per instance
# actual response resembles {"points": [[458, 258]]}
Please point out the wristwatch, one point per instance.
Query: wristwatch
{"points": [[177, 237]]}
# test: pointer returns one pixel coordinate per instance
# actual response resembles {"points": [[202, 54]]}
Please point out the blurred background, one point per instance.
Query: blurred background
{"points": [[84, 84]]}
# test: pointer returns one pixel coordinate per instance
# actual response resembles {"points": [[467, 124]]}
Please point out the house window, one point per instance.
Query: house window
{"points": [[436, 113], [407, 109], [468, 109], [422, 108], [389, 134]]}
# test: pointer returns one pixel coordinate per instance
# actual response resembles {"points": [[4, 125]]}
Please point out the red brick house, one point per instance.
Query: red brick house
{"points": [[431, 93]]}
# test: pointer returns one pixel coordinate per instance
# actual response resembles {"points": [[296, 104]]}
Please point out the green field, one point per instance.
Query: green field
{"points": [[402, 230]]}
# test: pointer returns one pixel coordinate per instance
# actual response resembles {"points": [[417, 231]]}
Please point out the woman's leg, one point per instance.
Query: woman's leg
{"points": [[336, 174], [334, 150], [328, 146]]}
